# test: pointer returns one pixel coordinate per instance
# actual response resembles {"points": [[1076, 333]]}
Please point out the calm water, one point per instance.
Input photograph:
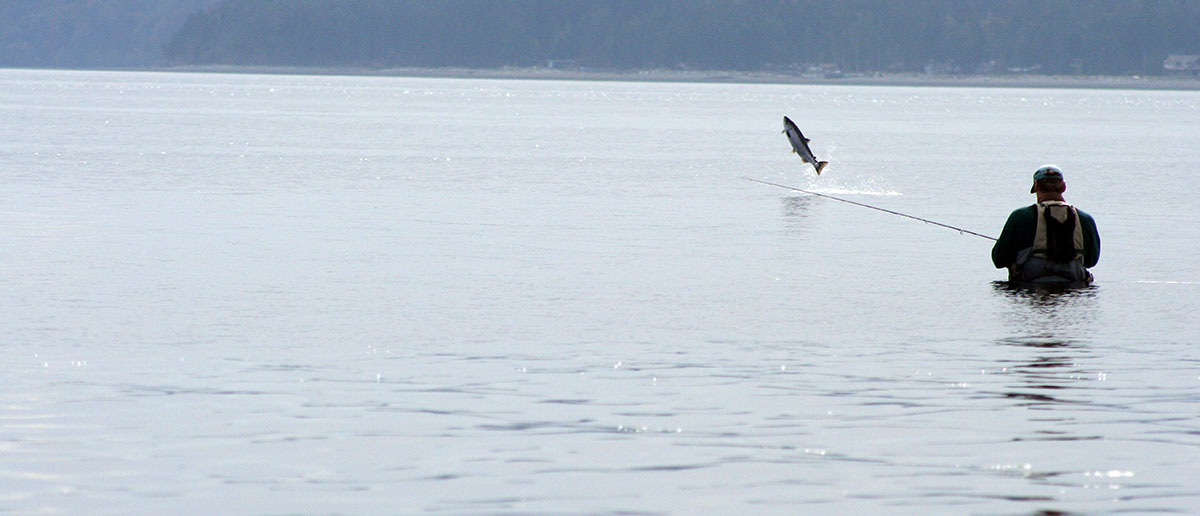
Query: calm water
{"points": [[267, 295]]}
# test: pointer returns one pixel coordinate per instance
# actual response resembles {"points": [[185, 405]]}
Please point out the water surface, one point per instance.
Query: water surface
{"points": [[241, 294]]}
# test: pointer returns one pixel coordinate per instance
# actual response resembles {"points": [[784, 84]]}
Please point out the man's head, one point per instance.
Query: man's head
{"points": [[1048, 179]]}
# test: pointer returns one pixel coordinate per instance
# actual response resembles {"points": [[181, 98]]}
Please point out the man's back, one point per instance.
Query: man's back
{"points": [[1021, 227]]}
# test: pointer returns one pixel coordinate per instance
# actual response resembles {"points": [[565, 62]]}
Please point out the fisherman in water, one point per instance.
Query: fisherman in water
{"points": [[1051, 241]]}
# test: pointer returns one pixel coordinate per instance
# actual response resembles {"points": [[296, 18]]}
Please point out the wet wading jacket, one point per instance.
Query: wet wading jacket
{"points": [[1048, 239]]}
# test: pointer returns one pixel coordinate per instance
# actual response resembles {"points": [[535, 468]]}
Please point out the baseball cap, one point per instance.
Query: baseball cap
{"points": [[1047, 172]]}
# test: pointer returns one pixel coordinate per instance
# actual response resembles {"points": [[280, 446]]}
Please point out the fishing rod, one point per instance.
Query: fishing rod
{"points": [[927, 221]]}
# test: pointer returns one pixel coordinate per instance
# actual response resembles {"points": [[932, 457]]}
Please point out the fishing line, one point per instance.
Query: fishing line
{"points": [[927, 221]]}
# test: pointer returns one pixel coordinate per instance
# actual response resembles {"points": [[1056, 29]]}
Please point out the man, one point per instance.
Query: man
{"points": [[1051, 241]]}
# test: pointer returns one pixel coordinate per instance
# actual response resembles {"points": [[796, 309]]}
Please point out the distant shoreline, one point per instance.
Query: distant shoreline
{"points": [[1002, 81], [716, 76]]}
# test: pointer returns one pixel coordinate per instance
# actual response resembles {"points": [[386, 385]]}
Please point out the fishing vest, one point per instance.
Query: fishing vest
{"points": [[1059, 236]]}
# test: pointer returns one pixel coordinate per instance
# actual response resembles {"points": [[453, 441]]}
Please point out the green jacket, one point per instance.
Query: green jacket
{"points": [[1019, 231]]}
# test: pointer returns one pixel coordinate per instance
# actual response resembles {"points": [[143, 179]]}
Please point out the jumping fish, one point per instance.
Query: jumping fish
{"points": [[800, 145]]}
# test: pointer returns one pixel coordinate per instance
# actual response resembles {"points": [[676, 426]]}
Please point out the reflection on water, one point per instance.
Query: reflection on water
{"points": [[796, 207], [1047, 294], [796, 212], [1050, 310], [1045, 377], [1052, 323]]}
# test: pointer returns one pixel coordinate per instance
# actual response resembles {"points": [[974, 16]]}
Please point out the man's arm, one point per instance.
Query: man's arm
{"points": [[1091, 240], [1013, 238]]}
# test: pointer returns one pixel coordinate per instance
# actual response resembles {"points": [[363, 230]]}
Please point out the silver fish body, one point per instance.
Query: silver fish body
{"points": [[800, 145]]}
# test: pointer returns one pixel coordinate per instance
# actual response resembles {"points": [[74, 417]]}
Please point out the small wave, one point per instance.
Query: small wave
{"points": [[850, 191], [1168, 282]]}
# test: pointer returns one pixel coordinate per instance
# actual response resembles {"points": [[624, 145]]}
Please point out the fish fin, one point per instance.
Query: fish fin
{"points": [[821, 165], [806, 140]]}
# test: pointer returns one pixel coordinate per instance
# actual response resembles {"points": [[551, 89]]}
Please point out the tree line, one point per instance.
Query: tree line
{"points": [[971, 36], [90, 33], [1112, 37]]}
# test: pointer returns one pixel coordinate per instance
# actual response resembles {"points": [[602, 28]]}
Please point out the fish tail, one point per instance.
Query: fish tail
{"points": [[821, 165]]}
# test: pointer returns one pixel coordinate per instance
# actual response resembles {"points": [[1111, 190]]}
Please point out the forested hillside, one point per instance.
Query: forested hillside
{"points": [[947, 36], [973, 36], [90, 33]]}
